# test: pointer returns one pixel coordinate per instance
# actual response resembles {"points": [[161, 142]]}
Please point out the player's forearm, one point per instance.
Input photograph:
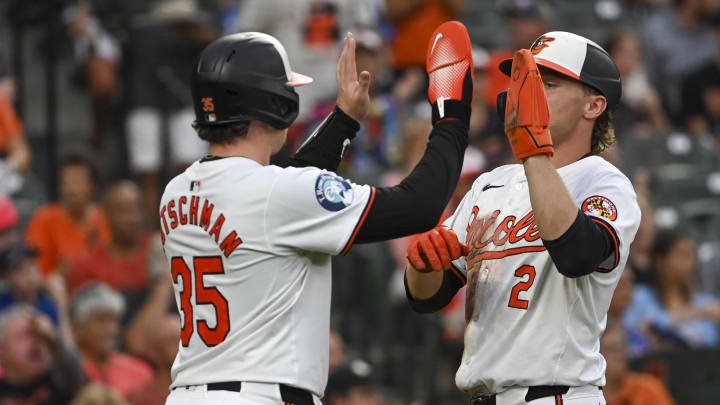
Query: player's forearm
{"points": [[430, 292], [416, 204], [422, 285], [325, 146], [554, 208]]}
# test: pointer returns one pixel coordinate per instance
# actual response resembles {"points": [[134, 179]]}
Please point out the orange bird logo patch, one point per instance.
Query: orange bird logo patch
{"points": [[540, 44]]}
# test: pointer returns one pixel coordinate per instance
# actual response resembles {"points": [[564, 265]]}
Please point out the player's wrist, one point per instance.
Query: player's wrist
{"points": [[347, 118], [344, 109], [536, 159], [426, 270]]}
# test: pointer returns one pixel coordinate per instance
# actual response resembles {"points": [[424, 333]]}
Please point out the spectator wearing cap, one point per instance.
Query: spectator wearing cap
{"points": [[9, 218], [14, 150], [130, 260], [61, 231], [37, 366], [95, 311], [23, 282], [526, 21], [353, 384], [701, 93]]}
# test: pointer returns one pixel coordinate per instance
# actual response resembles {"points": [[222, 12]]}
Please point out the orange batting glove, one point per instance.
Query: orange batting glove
{"points": [[527, 118], [450, 69], [435, 249]]}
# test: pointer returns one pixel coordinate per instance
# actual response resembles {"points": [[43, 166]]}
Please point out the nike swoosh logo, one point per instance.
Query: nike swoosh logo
{"points": [[437, 38], [489, 186]]}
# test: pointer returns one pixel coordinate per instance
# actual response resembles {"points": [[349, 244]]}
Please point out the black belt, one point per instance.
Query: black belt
{"points": [[289, 395], [535, 392]]}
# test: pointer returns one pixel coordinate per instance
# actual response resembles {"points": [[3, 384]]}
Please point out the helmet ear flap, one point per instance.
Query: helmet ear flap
{"points": [[501, 101]]}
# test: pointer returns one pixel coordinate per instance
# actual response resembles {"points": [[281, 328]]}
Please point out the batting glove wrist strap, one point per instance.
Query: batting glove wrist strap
{"points": [[450, 109]]}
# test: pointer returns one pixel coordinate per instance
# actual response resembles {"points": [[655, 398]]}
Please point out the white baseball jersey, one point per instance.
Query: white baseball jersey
{"points": [[527, 324], [249, 248]]}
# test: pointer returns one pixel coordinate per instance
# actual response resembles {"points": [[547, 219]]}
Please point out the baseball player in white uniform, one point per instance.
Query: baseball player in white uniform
{"points": [[249, 243], [547, 239]]}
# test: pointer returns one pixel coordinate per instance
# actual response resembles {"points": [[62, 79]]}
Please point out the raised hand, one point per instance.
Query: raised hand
{"points": [[353, 97]]}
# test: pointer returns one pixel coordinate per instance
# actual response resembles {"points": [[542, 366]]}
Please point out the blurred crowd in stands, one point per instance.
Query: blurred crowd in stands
{"points": [[95, 117]]}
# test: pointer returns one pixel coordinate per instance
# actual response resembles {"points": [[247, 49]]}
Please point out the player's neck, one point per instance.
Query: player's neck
{"points": [[260, 142], [571, 149], [254, 148], [78, 212]]}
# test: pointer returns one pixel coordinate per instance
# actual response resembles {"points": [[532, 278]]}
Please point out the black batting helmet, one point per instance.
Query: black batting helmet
{"points": [[244, 77], [579, 58]]}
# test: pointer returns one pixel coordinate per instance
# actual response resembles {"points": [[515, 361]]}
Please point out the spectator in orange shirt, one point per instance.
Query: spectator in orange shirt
{"points": [[622, 386], [95, 312], [63, 230], [415, 21], [14, 148]]}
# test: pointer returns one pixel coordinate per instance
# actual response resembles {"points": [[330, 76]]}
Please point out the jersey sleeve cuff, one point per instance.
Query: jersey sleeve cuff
{"points": [[615, 240], [452, 282], [360, 222]]}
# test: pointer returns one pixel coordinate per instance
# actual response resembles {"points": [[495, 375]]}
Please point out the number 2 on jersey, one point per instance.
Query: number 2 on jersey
{"points": [[515, 300], [204, 295]]}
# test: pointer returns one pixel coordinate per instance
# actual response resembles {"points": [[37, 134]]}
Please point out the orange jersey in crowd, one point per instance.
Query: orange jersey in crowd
{"points": [[58, 238], [122, 372], [642, 389], [99, 264], [10, 125], [413, 33]]}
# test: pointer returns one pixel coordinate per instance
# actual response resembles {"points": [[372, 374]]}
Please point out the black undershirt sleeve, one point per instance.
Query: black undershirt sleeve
{"points": [[583, 247], [449, 287], [326, 145], [416, 204]]}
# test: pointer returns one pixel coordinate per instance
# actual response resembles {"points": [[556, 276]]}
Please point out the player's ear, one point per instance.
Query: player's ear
{"points": [[595, 106]]}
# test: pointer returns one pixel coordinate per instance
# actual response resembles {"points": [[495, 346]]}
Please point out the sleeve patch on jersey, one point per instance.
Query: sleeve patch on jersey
{"points": [[333, 192], [600, 206]]}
